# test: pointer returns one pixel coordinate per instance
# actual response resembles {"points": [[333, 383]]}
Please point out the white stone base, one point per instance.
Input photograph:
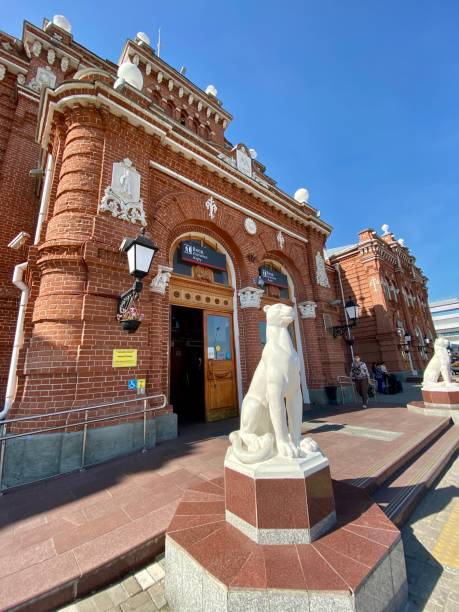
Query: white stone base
{"points": [[189, 587], [440, 386], [278, 467], [282, 536]]}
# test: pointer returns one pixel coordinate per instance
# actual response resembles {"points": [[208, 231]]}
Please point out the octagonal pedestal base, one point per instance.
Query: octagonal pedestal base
{"points": [[212, 566], [443, 396]]}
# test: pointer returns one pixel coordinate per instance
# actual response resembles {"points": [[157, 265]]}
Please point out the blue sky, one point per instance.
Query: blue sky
{"points": [[355, 100]]}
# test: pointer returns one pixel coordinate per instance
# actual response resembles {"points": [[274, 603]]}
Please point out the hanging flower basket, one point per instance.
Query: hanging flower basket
{"points": [[130, 325]]}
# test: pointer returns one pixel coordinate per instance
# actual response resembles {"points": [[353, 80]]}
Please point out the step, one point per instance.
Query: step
{"points": [[378, 474], [399, 496]]}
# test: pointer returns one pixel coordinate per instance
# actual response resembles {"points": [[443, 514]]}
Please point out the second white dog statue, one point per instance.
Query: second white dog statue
{"points": [[272, 410]]}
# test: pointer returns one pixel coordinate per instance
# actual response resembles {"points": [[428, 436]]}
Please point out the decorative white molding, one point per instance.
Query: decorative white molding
{"points": [[307, 309], [44, 78], [243, 161], [122, 199], [170, 85], [21, 79], [211, 207], [208, 112], [180, 92], [280, 239], [160, 77], [217, 118], [229, 160], [250, 297], [199, 105], [321, 274], [148, 69], [136, 59], [36, 48], [65, 64], [51, 56], [161, 281], [2, 72], [250, 226], [190, 99], [225, 124]]}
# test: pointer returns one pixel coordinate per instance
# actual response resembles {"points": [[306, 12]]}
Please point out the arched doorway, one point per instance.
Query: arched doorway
{"points": [[278, 287], [204, 344]]}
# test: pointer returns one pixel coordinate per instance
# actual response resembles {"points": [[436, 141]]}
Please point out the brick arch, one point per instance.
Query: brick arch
{"points": [[181, 211], [291, 265]]}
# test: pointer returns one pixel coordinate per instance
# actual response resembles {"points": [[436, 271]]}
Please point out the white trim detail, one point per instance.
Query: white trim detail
{"points": [[307, 309], [224, 199], [160, 282], [250, 297]]}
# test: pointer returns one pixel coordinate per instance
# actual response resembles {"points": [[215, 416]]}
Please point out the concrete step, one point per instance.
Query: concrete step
{"points": [[399, 495], [378, 474]]}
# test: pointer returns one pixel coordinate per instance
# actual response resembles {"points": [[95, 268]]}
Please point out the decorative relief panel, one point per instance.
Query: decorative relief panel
{"points": [[36, 48], [307, 310], [44, 78], [243, 161], [2, 72], [250, 297], [280, 239], [65, 64], [321, 273], [122, 199], [51, 56], [250, 226], [161, 281], [211, 208]]}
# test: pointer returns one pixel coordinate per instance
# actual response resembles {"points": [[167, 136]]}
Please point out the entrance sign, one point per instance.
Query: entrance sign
{"points": [[272, 277], [193, 252], [124, 358]]}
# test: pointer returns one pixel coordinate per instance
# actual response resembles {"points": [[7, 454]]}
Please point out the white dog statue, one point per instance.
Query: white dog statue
{"points": [[439, 364], [274, 394]]}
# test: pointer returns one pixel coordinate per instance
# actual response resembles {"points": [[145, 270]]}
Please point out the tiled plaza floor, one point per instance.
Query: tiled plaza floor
{"points": [[433, 569], [431, 542]]}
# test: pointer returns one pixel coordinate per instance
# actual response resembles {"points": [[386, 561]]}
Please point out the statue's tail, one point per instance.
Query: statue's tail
{"points": [[249, 448]]}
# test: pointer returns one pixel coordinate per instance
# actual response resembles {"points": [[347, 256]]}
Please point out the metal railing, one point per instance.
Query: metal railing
{"points": [[4, 438], [346, 382]]}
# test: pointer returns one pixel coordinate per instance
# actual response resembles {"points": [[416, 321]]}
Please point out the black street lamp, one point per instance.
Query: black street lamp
{"points": [[352, 311], [140, 253]]}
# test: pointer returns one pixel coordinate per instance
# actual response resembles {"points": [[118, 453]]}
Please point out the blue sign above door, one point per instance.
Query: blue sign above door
{"points": [[273, 277]]}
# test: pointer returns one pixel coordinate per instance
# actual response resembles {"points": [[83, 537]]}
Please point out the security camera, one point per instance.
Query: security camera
{"points": [[19, 241]]}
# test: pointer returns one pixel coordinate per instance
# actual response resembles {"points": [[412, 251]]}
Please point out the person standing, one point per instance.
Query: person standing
{"points": [[360, 377]]}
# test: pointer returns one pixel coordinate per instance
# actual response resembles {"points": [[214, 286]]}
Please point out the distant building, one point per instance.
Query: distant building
{"points": [[445, 315], [380, 274]]}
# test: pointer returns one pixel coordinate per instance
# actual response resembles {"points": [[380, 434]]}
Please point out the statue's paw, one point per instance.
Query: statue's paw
{"points": [[308, 445], [288, 450]]}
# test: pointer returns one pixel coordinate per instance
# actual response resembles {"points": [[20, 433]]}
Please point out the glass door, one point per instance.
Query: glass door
{"points": [[220, 381]]}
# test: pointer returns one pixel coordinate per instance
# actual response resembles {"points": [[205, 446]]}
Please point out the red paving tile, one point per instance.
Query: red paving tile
{"points": [[123, 507]]}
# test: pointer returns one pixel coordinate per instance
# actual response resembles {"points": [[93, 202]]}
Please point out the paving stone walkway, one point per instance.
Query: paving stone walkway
{"points": [[431, 542], [432, 558]]}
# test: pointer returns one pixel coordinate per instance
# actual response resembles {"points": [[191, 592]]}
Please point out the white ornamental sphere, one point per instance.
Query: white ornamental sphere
{"points": [[385, 228], [63, 23], [131, 74], [211, 90], [141, 37], [253, 153], [301, 195]]}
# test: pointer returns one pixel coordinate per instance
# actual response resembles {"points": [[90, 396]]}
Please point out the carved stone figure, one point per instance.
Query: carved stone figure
{"points": [[65, 64], [211, 208], [122, 199], [439, 365], [280, 239], [44, 78], [307, 309], [274, 393], [250, 297]]}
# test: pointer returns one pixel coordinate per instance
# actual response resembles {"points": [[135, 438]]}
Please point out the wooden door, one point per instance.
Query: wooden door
{"points": [[220, 379]]}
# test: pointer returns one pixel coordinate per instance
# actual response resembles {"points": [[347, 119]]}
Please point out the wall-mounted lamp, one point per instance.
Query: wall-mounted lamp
{"points": [[352, 311], [140, 253]]}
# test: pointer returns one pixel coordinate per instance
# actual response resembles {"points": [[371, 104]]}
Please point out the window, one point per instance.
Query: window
{"points": [[183, 118], [197, 271], [275, 281]]}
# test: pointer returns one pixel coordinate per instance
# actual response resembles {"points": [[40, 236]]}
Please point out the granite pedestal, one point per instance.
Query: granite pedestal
{"points": [[260, 540], [439, 399]]}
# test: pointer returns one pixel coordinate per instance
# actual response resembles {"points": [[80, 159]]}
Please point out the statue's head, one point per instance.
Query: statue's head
{"points": [[441, 343], [279, 315]]}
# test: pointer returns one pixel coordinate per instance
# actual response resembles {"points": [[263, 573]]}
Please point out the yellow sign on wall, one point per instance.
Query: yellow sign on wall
{"points": [[124, 358]]}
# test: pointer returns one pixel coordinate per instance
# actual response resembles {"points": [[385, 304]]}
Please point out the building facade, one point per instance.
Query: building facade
{"points": [[445, 315], [91, 153], [395, 326]]}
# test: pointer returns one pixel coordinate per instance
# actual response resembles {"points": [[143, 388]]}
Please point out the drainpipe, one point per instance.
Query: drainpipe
{"points": [[18, 338], [338, 269], [20, 284], [44, 197]]}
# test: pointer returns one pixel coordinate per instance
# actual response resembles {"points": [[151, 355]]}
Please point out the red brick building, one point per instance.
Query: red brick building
{"points": [[117, 149], [381, 275]]}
